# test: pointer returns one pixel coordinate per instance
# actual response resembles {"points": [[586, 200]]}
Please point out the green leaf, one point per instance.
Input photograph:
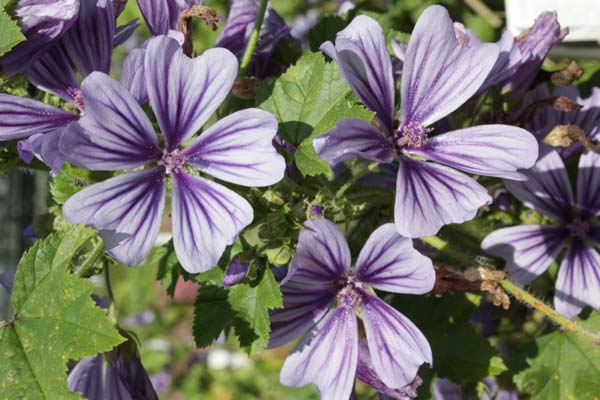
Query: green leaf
{"points": [[212, 314], [308, 100], [10, 33], [251, 304], [55, 320], [565, 367]]}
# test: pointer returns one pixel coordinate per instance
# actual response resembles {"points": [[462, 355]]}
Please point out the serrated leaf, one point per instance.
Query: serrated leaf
{"points": [[10, 33], [212, 314], [566, 366], [251, 304], [56, 320]]}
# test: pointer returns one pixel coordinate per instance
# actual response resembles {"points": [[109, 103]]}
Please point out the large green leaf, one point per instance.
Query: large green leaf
{"points": [[565, 366], [55, 320], [212, 314], [10, 34]]}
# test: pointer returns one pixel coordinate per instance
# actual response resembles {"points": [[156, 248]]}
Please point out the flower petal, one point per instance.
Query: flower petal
{"points": [[207, 217], [389, 262], [53, 73], [185, 92], [527, 249], [21, 117], [361, 53], [397, 346], [86, 378], [588, 184], [114, 133], [326, 356], [239, 149], [236, 273], [45, 147], [322, 255], [439, 74], [578, 280], [354, 138], [429, 196], [303, 306], [133, 75], [126, 210], [548, 189], [238, 27], [490, 150]]}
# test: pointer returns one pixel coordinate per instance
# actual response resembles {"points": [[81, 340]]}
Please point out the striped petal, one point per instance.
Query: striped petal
{"points": [[322, 255], [185, 92], [429, 196], [86, 378], [126, 210], [397, 346], [239, 149], [527, 249], [52, 73], [21, 117], [354, 138], [133, 75], [588, 184], [114, 133], [490, 150], [440, 74], [207, 217], [578, 280], [389, 262], [326, 356]]}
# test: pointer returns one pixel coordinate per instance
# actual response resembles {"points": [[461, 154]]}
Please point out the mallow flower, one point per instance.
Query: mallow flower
{"points": [[322, 295], [439, 74], [529, 250], [115, 134], [162, 16], [587, 118]]}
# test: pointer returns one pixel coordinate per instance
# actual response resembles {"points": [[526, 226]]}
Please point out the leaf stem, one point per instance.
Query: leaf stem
{"points": [[355, 179], [441, 245], [97, 251], [245, 63], [527, 298]]}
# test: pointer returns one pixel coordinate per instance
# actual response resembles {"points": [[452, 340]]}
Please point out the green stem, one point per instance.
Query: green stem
{"points": [[112, 311], [527, 298], [355, 179], [442, 245], [96, 252], [253, 39]]}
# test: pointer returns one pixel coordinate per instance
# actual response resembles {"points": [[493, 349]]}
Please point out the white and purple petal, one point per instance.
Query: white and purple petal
{"points": [[45, 147], [527, 249], [206, 217], [239, 149], [361, 53], [185, 92], [588, 185], [114, 133], [354, 138], [322, 255], [133, 75], [440, 74], [429, 196], [389, 262], [126, 210], [21, 117], [326, 356], [397, 347], [490, 150], [163, 15], [578, 280], [53, 73]]}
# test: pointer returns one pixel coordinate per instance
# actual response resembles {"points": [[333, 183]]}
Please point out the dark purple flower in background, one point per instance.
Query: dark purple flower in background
{"points": [[443, 389], [587, 118], [236, 273], [439, 75], [7, 278], [321, 295], [162, 16], [115, 134], [529, 250], [239, 26]]}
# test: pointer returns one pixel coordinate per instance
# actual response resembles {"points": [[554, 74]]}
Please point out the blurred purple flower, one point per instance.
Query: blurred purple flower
{"points": [[7, 278], [319, 277], [236, 273], [439, 75], [163, 15], [237, 31], [530, 249], [316, 210], [161, 381], [127, 209], [443, 389]]}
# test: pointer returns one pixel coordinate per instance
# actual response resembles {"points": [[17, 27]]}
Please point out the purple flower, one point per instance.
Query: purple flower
{"points": [[236, 273], [530, 249], [439, 75], [163, 15], [7, 278], [115, 134], [316, 210], [239, 26], [587, 118], [321, 297], [443, 389]]}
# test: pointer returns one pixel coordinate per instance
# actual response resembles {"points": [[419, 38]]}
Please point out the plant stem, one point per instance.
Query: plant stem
{"points": [[527, 298], [112, 311], [96, 252], [354, 179], [253, 39], [442, 245]]}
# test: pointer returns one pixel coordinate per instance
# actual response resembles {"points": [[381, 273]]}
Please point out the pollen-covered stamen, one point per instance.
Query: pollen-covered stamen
{"points": [[349, 297], [173, 161], [77, 97], [412, 134], [578, 228]]}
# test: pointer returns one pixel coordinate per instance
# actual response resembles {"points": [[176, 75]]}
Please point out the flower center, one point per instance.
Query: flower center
{"points": [[349, 297], [579, 228], [173, 161], [412, 134], [77, 97]]}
